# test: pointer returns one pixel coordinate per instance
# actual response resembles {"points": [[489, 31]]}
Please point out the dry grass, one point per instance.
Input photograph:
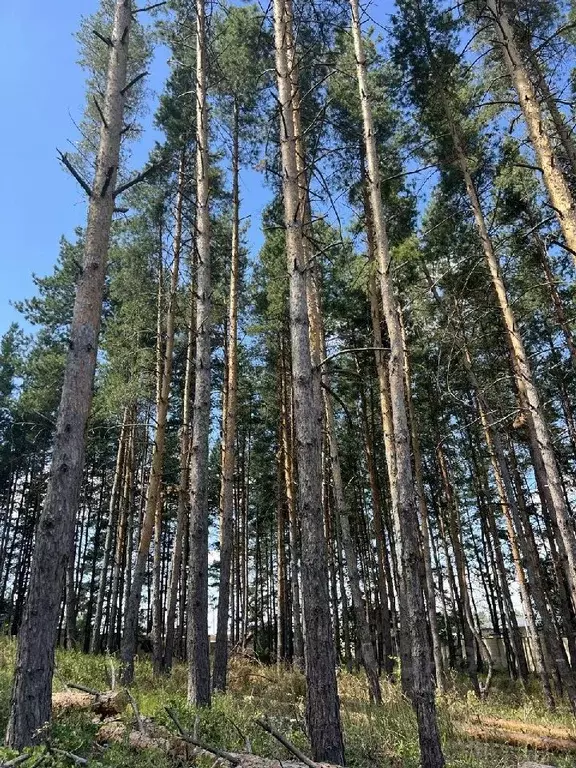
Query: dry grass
{"points": [[376, 737]]}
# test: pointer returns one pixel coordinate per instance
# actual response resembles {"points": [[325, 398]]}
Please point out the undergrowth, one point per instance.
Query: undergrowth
{"points": [[376, 737]]}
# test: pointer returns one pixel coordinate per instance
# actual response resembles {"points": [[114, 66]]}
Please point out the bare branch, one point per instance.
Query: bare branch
{"points": [[97, 105], [133, 82], [148, 8], [136, 711], [213, 750], [71, 756], [104, 39], [16, 761], [107, 180], [136, 180], [83, 688], [63, 157], [351, 350]]}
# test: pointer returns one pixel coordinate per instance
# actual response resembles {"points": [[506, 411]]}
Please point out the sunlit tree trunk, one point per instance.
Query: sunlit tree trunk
{"points": [[323, 708], [178, 560], [229, 428], [556, 185], [152, 520], [422, 687], [197, 613]]}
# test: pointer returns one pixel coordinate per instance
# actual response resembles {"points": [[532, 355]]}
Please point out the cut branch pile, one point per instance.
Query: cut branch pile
{"points": [[149, 734]]}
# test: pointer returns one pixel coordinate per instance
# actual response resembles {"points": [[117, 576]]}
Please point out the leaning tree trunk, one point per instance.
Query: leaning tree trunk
{"points": [[32, 689], [560, 125], [229, 437], [422, 687], [546, 467], [197, 609], [323, 707], [154, 501], [556, 185]]}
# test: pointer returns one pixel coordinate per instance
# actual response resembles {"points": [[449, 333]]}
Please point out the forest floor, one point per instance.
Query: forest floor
{"points": [[376, 737]]}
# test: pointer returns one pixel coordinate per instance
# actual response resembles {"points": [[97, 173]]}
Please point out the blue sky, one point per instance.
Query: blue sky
{"points": [[43, 94]]}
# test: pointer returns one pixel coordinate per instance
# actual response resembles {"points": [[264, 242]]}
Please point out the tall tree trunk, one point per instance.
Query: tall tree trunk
{"points": [[197, 613], [229, 431], [323, 707], [552, 640], [95, 642], [541, 444], [562, 129], [286, 423], [176, 566], [152, 519], [381, 555], [424, 523], [125, 514], [318, 348], [281, 629], [32, 688], [454, 528], [415, 618], [556, 185]]}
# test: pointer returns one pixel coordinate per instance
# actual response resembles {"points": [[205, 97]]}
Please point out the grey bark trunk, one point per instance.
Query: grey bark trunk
{"points": [[176, 569], [152, 519], [415, 618], [197, 609], [32, 687], [229, 431], [323, 706], [364, 640], [425, 526], [293, 531]]}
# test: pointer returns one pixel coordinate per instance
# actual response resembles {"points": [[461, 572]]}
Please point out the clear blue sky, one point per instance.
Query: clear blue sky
{"points": [[43, 94], [42, 91]]}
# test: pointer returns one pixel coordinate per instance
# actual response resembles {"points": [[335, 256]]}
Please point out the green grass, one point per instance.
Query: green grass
{"points": [[376, 737]]}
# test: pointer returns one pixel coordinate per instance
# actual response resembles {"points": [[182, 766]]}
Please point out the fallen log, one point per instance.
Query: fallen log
{"points": [[537, 729], [105, 704], [151, 736], [482, 732]]}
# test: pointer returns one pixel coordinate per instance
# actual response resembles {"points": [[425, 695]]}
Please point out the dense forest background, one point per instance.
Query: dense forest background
{"points": [[353, 447]]}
